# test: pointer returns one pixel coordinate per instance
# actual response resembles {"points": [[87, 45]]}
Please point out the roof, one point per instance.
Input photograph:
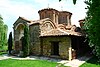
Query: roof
{"points": [[23, 18], [82, 20], [65, 12], [47, 9], [59, 32], [39, 21]]}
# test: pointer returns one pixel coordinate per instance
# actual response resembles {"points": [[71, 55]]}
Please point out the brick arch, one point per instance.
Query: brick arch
{"points": [[18, 34], [19, 25], [47, 26], [53, 25], [18, 31]]}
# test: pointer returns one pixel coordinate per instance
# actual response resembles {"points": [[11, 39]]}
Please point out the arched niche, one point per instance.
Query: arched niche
{"points": [[19, 31]]}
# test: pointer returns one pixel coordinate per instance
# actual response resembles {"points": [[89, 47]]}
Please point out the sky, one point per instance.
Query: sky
{"points": [[10, 10]]}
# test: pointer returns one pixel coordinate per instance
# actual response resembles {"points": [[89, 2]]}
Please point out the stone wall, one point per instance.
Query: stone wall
{"points": [[18, 27], [34, 32], [64, 44]]}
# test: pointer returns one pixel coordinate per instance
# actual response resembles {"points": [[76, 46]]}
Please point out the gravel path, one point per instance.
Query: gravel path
{"points": [[77, 62], [73, 63]]}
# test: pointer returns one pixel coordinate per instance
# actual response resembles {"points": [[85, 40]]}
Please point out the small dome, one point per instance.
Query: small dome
{"points": [[66, 12], [47, 9]]}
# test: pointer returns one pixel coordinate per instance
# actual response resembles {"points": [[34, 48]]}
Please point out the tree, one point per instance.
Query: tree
{"points": [[92, 25], [10, 43], [3, 32], [25, 42], [74, 1]]}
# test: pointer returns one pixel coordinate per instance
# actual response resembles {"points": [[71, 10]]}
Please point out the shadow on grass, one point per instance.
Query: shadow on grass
{"points": [[93, 62]]}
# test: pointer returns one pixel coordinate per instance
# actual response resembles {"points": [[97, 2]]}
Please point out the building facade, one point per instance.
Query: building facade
{"points": [[52, 35]]}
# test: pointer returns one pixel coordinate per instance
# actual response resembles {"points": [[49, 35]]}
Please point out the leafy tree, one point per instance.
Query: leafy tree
{"points": [[3, 32], [25, 42], [74, 1], [10, 43], [92, 25]]}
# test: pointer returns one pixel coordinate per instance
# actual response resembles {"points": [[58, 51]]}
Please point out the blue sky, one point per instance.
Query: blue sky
{"points": [[12, 9]]}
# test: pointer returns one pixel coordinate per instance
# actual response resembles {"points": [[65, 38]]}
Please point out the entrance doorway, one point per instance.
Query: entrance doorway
{"points": [[54, 48]]}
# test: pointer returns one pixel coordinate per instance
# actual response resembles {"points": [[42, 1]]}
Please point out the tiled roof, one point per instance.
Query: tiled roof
{"points": [[59, 32], [65, 12], [54, 32], [47, 9], [39, 21], [26, 19], [42, 21], [30, 22]]}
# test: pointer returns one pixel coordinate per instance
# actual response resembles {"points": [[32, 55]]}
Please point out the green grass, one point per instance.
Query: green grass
{"points": [[93, 62], [27, 63]]}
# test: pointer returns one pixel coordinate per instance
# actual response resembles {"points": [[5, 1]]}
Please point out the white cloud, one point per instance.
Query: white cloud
{"points": [[18, 9], [3, 3], [41, 1], [23, 10]]}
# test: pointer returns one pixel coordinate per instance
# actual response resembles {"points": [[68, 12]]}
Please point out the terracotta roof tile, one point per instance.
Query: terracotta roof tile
{"points": [[47, 9], [25, 19], [65, 12], [59, 32], [38, 21]]}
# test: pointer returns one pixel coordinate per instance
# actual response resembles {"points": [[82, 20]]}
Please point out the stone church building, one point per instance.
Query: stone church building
{"points": [[52, 35]]}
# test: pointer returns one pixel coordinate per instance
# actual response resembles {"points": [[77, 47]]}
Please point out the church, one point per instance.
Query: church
{"points": [[52, 35]]}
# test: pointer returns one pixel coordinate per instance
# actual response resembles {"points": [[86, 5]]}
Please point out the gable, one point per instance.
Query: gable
{"points": [[19, 21]]}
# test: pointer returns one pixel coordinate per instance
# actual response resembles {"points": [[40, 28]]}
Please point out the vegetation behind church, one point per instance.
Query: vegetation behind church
{"points": [[3, 33], [92, 25]]}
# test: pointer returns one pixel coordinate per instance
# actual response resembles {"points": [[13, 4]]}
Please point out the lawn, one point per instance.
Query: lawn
{"points": [[27, 63], [93, 62]]}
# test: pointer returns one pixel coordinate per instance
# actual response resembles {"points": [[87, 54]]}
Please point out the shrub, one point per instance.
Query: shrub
{"points": [[25, 42], [10, 43]]}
